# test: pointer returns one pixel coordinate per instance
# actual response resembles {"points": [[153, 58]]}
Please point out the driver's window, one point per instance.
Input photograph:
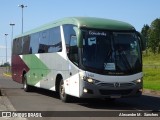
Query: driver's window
{"points": [[73, 50]]}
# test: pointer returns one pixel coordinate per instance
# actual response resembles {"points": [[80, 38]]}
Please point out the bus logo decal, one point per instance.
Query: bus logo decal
{"points": [[116, 84]]}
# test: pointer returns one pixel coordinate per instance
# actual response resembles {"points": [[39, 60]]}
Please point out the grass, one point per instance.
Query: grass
{"points": [[151, 79], [151, 70], [151, 60], [7, 74], [7, 71]]}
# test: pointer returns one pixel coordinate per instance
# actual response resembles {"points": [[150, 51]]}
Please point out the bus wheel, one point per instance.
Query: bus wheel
{"points": [[26, 87], [63, 96]]}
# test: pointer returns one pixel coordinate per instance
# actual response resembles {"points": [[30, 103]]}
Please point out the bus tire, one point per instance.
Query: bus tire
{"points": [[26, 87], [63, 96]]}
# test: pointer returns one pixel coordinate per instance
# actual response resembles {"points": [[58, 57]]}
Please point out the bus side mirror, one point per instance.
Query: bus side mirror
{"points": [[142, 41]]}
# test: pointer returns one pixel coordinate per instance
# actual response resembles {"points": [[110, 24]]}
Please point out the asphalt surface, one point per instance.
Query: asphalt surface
{"points": [[15, 99]]}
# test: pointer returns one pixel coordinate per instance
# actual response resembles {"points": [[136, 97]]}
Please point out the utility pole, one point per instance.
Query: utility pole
{"points": [[6, 49], [22, 6]]}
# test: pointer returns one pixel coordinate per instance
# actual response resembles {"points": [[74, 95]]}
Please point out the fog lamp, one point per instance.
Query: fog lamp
{"points": [[85, 90]]}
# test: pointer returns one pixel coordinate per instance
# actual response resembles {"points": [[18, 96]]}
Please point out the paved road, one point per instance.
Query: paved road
{"points": [[44, 100]]}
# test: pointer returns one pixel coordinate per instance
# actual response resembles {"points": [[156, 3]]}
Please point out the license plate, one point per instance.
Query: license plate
{"points": [[116, 96]]}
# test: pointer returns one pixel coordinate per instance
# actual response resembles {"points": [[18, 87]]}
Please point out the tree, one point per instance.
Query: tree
{"points": [[145, 31], [5, 65], [154, 36]]}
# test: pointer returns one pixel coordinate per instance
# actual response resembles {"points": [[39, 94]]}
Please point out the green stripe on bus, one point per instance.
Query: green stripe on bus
{"points": [[38, 70]]}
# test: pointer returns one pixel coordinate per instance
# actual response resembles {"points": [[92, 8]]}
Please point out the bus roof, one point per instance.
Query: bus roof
{"points": [[87, 22]]}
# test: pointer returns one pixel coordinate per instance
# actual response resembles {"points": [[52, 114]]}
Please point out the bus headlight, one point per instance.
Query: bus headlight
{"points": [[138, 81], [90, 80]]}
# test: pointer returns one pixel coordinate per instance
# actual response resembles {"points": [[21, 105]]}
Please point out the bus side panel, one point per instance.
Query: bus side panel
{"points": [[74, 80], [57, 64], [18, 66]]}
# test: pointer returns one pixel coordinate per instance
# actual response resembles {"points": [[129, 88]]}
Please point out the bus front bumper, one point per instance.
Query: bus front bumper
{"points": [[110, 90]]}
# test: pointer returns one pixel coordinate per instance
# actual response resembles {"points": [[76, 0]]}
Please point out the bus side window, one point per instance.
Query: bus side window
{"points": [[73, 50]]}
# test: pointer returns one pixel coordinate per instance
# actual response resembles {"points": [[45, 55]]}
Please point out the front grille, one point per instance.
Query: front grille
{"points": [[115, 92], [127, 84], [106, 84], [112, 85]]}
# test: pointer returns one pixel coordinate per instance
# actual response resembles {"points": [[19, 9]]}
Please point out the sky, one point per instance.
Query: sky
{"points": [[39, 12]]}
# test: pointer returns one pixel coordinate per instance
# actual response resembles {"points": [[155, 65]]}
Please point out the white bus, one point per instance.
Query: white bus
{"points": [[80, 56]]}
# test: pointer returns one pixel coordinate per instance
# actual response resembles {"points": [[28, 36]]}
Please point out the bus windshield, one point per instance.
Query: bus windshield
{"points": [[111, 52]]}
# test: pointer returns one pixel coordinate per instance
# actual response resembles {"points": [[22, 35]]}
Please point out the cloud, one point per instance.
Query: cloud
{"points": [[2, 47]]}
